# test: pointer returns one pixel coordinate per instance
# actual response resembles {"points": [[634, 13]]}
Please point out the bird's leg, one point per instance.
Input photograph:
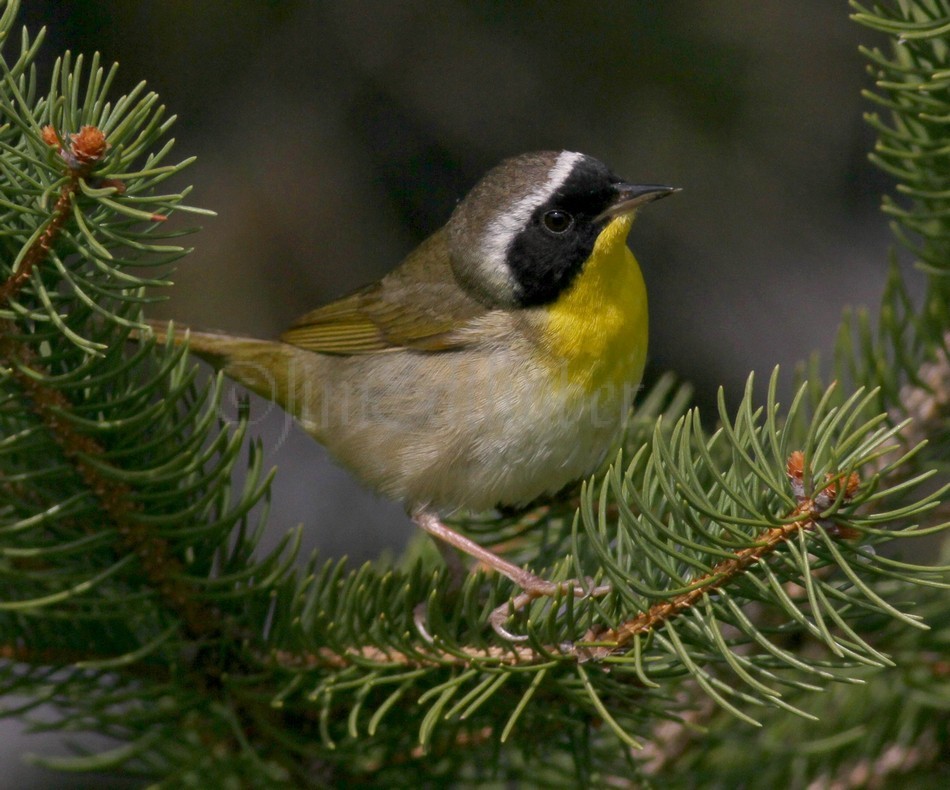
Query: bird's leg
{"points": [[453, 562], [526, 580], [533, 586]]}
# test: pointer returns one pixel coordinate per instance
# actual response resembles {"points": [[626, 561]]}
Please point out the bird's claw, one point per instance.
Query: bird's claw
{"points": [[420, 618], [501, 613]]}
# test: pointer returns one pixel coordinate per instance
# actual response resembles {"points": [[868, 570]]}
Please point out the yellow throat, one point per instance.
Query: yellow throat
{"points": [[597, 329]]}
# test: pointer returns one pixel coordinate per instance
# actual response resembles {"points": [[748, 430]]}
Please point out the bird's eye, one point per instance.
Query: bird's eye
{"points": [[558, 221]]}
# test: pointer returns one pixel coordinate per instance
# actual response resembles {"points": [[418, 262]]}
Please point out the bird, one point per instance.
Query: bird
{"points": [[495, 365]]}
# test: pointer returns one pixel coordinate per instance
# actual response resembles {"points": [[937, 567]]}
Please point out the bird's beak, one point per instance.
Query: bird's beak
{"points": [[631, 196]]}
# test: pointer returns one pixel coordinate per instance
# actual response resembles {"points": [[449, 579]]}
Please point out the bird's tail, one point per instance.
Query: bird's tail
{"points": [[216, 348], [266, 367]]}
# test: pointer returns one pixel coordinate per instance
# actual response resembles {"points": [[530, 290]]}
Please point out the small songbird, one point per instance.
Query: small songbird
{"points": [[496, 364]]}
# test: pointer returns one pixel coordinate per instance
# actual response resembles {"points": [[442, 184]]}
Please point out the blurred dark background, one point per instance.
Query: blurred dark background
{"points": [[334, 136]]}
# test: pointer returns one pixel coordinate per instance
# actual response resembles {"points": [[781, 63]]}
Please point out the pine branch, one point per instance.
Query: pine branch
{"points": [[912, 82], [891, 724], [805, 517], [163, 571], [42, 245], [750, 567]]}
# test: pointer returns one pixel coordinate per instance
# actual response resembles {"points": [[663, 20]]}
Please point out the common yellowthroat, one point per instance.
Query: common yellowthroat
{"points": [[495, 365]]}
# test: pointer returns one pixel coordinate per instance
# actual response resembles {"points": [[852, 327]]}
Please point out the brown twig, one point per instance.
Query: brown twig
{"points": [[43, 244], [720, 575], [326, 657], [804, 517], [163, 571], [85, 151]]}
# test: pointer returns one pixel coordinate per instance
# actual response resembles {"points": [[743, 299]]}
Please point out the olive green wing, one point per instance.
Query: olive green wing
{"points": [[418, 306], [369, 321]]}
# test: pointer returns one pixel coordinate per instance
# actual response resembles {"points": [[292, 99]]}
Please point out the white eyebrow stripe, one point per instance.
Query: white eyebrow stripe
{"points": [[505, 226]]}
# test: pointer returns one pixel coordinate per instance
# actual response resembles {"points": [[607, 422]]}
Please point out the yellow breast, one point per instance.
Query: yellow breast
{"points": [[596, 331]]}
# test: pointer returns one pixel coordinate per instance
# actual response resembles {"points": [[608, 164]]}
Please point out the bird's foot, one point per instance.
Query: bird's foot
{"points": [[532, 586], [540, 588]]}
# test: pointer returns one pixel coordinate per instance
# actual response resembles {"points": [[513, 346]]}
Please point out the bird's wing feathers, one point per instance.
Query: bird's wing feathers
{"points": [[418, 306]]}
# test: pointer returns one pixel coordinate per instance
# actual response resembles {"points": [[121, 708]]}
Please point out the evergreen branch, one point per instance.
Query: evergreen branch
{"points": [[893, 722], [371, 655], [124, 563], [804, 517], [164, 572], [81, 174], [85, 151], [41, 245], [742, 574], [912, 86]]}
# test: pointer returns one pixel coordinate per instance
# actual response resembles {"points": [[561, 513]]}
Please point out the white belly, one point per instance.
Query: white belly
{"points": [[485, 435]]}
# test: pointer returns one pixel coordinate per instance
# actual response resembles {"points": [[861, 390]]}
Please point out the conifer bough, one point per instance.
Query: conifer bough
{"points": [[757, 566]]}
